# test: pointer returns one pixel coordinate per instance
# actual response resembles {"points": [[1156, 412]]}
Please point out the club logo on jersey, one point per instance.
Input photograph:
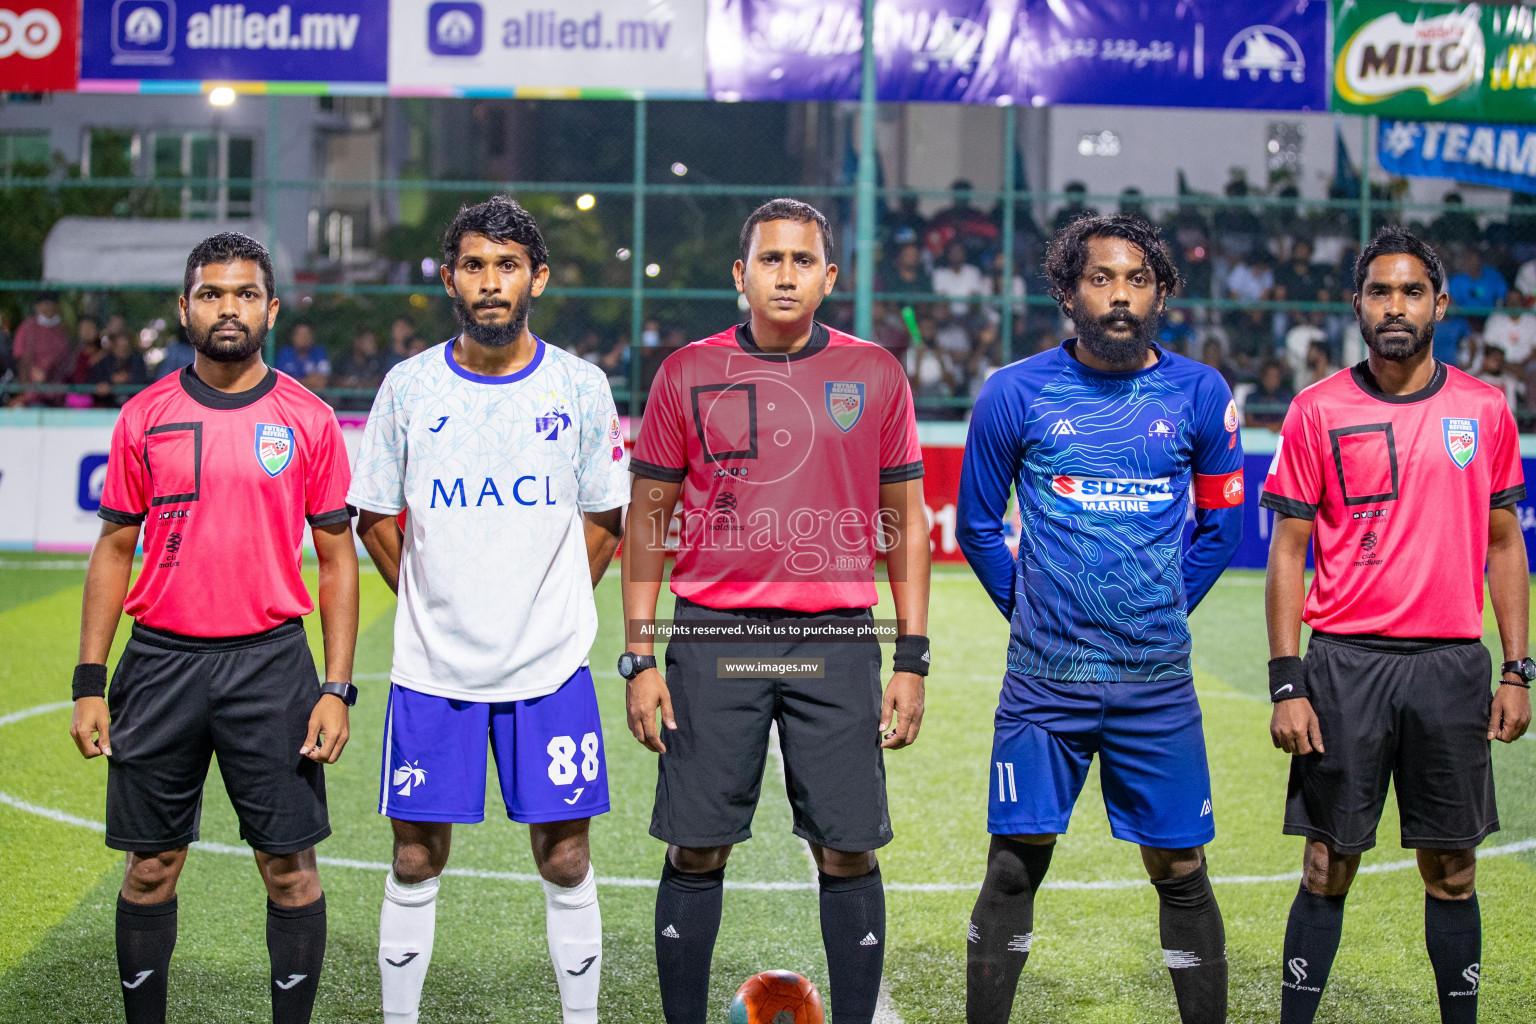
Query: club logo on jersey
{"points": [[1109, 494], [1460, 440], [1230, 421], [274, 447], [549, 425], [410, 775], [1160, 428], [845, 403], [614, 436], [1060, 428]]}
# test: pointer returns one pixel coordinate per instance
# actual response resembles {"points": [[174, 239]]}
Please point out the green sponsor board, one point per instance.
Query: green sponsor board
{"points": [[1435, 61]]}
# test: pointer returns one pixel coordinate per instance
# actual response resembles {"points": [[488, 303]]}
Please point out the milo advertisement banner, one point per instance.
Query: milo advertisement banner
{"points": [[1441, 62]]}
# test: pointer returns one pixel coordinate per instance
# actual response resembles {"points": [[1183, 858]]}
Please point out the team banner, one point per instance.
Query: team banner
{"points": [[538, 47], [323, 42], [1267, 55], [39, 45], [1484, 154], [1442, 61]]}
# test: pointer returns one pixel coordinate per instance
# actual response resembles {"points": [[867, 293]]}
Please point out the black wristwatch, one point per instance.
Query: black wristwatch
{"points": [[346, 691], [631, 665], [1525, 668]]}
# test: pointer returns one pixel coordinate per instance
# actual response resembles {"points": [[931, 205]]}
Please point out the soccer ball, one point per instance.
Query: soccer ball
{"points": [[777, 997]]}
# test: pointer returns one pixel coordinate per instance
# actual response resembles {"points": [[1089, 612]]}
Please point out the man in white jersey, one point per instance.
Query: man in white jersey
{"points": [[505, 454]]}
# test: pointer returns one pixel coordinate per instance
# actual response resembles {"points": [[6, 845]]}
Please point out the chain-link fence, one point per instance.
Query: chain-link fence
{"points": [[642, 203]]}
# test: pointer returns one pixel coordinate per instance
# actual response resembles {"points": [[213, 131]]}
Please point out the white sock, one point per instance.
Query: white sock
{"points": [[406, 927], [575, 930]]}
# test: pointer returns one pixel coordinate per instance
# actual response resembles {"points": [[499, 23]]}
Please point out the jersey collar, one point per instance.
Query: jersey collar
{"points": [[1366, 381], [1069, 353], [509, 378], [211, 397], [820, 336]]}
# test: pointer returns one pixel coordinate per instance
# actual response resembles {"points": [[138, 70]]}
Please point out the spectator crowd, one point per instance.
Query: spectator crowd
{"points": [[1265, 279]]}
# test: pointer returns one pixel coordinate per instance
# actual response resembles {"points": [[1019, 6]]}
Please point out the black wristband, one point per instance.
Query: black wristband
{"points": [[1510, 682], [1286, 679], [911, 655], [90, 681]]}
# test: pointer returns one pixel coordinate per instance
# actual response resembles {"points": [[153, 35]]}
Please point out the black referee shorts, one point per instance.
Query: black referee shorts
{"points": [[1413, 713], [176, 701], [829, 732]]}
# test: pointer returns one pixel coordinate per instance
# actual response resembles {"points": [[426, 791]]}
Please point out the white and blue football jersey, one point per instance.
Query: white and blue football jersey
{"points": [[495, 599]]}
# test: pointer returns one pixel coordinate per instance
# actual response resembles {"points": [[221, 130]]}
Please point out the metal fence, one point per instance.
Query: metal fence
{"points": [[641, 266]]}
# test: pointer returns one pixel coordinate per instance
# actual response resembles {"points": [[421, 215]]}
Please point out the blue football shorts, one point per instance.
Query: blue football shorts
{"points": [[548, 751], [1152, 767]]}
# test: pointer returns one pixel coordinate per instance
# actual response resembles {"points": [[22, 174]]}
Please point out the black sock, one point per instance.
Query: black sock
{"points": [[688, 909], [1311, 940], [1002, 928], [296, 945], [1453, 933], [1194, 946], [146, 934], [853, 931]]}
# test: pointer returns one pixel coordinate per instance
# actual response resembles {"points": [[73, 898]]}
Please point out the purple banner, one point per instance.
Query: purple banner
{"points": [[1267, 55]]}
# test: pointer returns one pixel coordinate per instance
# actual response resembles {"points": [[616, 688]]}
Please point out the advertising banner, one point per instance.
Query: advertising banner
{"points": [[1270, 55], [535, 47], [39, 45], [1485, 154], [1441, 61], [316, 41]]}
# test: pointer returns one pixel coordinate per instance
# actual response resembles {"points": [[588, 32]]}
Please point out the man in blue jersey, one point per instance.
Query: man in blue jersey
{"points": [[1107, 440]]}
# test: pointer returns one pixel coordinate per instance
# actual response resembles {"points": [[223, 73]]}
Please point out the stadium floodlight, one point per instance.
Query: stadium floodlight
{"points": [[428, 267], [652, 269], [679, 168], [622, 254], [223, 96], [586, 201]]}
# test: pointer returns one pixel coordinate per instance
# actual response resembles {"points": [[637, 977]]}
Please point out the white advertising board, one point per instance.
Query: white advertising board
{"points": [[533, 47]]}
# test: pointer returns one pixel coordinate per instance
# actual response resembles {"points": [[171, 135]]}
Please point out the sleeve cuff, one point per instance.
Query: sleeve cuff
{"points": [[651, 471], [1287, 506], [112, 515], [1507, 497], [340, 515], [369, 505], [898, 474]]}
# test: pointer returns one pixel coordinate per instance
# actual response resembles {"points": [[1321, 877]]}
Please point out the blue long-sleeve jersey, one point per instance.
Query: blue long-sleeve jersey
{"points": [[1105, 466]]}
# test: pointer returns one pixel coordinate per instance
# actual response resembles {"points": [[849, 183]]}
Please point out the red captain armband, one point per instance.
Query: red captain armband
{"points": [[1223, 490]]}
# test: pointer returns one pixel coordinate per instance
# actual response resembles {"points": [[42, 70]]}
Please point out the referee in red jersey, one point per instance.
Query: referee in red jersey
{"points": [[792, 447], [1403, 474], [220, 466]]}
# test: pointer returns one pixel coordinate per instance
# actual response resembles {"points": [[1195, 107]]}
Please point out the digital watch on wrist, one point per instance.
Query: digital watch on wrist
{"points": [[1525, 668], [346, 691], [631, 665]]}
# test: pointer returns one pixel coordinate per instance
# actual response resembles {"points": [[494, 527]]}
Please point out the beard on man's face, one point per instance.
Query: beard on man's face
{"points": [[1396, 338], [1125, 352], [493, 335], [236, 349]]}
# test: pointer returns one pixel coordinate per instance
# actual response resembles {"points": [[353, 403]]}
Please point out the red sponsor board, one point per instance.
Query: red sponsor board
{"points": [[941, 493], [39, 45]]}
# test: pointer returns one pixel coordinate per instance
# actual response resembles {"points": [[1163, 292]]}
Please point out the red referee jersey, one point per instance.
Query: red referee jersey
{"points": [[781, 459], [224, 484], [1399, 488]]}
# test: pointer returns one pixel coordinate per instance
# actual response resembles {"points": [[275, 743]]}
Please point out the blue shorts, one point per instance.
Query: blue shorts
{"points": [[549, 755], [1152, 768]]}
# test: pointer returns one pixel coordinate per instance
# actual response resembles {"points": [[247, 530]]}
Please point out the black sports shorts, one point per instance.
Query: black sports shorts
{"points": [[176, 701], [829, 731], [1410, 712]]}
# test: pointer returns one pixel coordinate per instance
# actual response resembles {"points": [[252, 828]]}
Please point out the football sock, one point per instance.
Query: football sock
{"points": [[296, 946], [1453, 932], [853, 931], [1311, 941], [1002, 927], [574, 927], [688, 907], [407, 923], [146, 934], [1194, 946]]}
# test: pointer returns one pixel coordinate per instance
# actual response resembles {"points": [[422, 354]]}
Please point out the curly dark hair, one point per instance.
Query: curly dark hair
{"points": [[787, 209], [1395, 241], [228, 247], [501, 219], [1067, 253]]}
